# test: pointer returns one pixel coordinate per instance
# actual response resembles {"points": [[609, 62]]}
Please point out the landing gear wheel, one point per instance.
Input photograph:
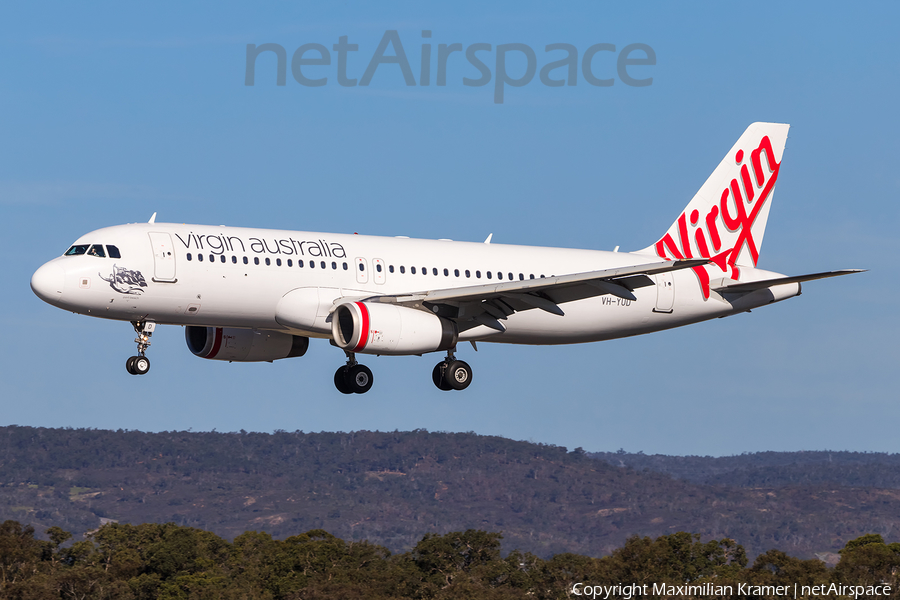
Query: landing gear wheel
{"points": [[359, 379], [458, 375], [437, 376], [340, 380], [139, 365]]}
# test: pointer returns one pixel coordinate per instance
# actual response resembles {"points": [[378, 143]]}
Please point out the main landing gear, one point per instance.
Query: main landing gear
{"points": [[452, 374], [449, 374], [140, 364], [353, 378]]}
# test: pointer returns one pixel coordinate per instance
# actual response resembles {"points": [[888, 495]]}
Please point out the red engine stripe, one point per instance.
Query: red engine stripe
{"points": [[217, 345], [364, 330]]}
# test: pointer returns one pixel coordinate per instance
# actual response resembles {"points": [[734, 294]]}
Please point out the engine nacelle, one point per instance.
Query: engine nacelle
{"points": [[243, 345], [375, 328]]}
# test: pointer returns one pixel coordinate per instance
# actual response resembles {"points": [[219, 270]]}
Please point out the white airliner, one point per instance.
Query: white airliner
{"points": [[260, 294]]}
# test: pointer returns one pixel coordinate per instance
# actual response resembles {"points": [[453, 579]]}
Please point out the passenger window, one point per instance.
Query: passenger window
{"points": [[245, 260], [290, 263], [434, 270], [334, 266], [212, 258], [189, 256], [97, 250], [531, 276], [391, 269], [322, 264], [113, 252], [411, 270], [499, 274], [234, 260], [402, 269], [222, 258], [268, 262], [299, 263], [456, 272], [378, 267], [477, 274], [521, 277], [509, 276], [446, 273], [468, 274], [255, 260], [76, 250], [362, 266], [312, 264], [489, 275], [278, 262], [200, 257], [344, 265]]}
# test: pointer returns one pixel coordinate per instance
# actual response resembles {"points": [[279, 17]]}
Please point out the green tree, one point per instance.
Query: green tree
{"points": [[20, 553], [867, 560], [442, 558], [680, 557], [777, 568]]}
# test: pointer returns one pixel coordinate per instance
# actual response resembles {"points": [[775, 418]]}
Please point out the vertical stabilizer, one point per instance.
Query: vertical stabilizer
{"points": [[726, 220]]}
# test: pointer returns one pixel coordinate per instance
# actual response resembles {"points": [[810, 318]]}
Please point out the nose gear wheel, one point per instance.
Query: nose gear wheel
{"points": [[140, 364]]}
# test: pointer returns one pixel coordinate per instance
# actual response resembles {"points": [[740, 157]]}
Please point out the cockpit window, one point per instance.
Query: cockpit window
{"points": [[97, 250], [113, 252], [76, 250]]}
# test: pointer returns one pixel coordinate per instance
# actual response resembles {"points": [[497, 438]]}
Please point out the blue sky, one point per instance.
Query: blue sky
{"points": [[115, 111]]}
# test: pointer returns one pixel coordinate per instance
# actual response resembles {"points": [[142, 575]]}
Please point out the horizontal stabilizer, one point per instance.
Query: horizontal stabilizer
{"points": [[751, 286]]}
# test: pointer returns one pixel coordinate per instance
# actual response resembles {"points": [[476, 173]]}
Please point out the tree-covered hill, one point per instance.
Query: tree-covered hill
{"points": [[771, 469], [393, 488]]}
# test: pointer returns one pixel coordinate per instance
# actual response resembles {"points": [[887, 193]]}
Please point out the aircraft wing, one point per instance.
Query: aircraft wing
{"points": [[750, 286], [487, 304]]}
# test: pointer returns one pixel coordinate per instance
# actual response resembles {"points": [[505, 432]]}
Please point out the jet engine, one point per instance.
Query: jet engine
{"points": [[243, 345], [375, 328]]}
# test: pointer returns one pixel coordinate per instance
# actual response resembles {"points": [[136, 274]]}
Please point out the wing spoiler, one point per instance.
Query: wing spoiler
{"points": [[606, 280]]}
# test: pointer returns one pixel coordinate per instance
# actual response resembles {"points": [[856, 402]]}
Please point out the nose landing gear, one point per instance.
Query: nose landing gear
{"points": [[451, 374], [353, 378], [140, 364]]}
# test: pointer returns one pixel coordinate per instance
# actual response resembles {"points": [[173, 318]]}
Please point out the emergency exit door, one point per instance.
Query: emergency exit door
{"points": [[665, 292]]}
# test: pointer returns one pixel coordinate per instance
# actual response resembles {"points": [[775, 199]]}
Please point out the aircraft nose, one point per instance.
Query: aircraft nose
{"points": [[47, 282]]}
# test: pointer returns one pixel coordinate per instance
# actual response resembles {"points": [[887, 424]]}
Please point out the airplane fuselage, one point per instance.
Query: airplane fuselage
{"points": [[236, 277]]}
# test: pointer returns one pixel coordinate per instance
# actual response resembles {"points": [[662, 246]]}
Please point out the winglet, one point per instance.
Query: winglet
{"points": [[488, 240], [152, 218]]}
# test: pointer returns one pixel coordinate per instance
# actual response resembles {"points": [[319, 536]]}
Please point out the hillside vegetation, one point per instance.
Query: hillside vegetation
{"points": [[169, 562], [771, 469], [393, 488]]}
